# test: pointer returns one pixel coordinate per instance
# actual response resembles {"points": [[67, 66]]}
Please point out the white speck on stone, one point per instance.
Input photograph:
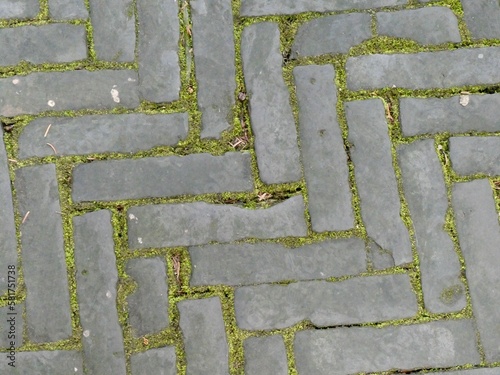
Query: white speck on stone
{"points": [[76, 369], [132, 217], [186, 231], [108, 294], [51, 103], [480, 56], [131, 79], [114, 95], [139, 240], [15, 81], [464, 99], [86, 333]]}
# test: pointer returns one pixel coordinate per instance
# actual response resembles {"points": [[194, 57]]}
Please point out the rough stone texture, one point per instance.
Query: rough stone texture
{"points": [[199, 223], [423, 70], [43, 254], [380, 258], [437, 115], [376, 181], [479, 236], [432, 25], [213, 43], [55, 91], [470, 155], [11, 326], [67, 9], [19, 8], [425, 192], [57, 362], [323, 154], [148, 304], [342, 351], [159, 71], [239, 264], [481, 17], [162, 177], [102, 133], [161, 361], [265, 355], [205, 341], [56, 43], [482, 371], [270, 111], [357, 300], [331, 34], [96, 283]]}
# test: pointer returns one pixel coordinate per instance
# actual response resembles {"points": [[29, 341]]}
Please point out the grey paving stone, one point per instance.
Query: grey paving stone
{"points": [[102, 133], [189, 224], [19, 8], [425, 192], [204, 335], [96, 283], [265, 355], [380, 258], [72, 90], [44, 261], [482, 371], [266, 7], [148, 304], [46, 43], [161, 361], [470, 155], [431, 25], [162, 177], [271, 116], [214, 57], [481, 17], [323, 154], [376, 179], [358, 300], [67, 9], [57, 362], [159, 71], [331, 34], [113, 23], [11, 326], [479, 236], [478, 66], [342, 351], [239, 264], [436, 115]]}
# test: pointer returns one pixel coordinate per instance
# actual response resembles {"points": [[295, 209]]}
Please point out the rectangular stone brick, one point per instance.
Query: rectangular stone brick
{"points": [[471, 155], [481, 17], [265, 355], [56, 362], [159, 361], [358, 300], [11, 326], [352, 350], [188, 224], [162, 177], [19, 8], [67, 9]]}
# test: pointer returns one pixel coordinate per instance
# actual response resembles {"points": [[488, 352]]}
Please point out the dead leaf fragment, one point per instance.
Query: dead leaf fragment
{"points": [[464, 98]]}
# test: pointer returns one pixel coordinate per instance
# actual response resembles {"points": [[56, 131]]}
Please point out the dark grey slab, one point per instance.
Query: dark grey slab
{"points": [[72, 90], [425, 192], [19, 8], [162, 177], [11, 325], [214, 57], [205, 341], [482, 371], [342, 351], [43, 254], [265, 355], [479, 236], [481, 17], [199, 223], [470, 155], [96, 283], [358, 300], [67, 9], [160, 361], [323, 154], [101, 133], [371, 154], [239, 264], [57, 362], [270, 111]]}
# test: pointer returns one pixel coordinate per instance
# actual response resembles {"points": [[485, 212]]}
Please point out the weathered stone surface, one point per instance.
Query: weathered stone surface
{"points": [[11, 326], [478, 66], [148, 304], [199, 223], [162, 177], [357, 300], [161, 361], [380, 258], [331, 34], [239, 264], [432, 25], [366, 349], [479, 236], [19, 8], [67, 9], [101, 133], [265, 355], [57, 362], [375, 178], [213, 43], [204, 335], [436, 115], [47, 43], [43, 254], [481, 17], [470, 155], [425, 192], [323, 154], [482, 371], [72, 90], [159, 71], [96, 282], [270, 111]]}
